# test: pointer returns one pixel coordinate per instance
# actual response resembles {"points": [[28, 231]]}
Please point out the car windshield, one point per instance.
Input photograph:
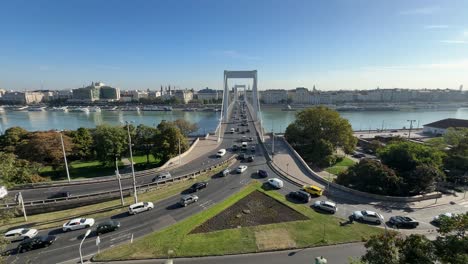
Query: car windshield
{"points": [[82, 220], [25, 231]]}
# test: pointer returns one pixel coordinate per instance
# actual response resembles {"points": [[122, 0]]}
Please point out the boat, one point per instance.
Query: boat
{"points": [[79, 110], [59, 109], [95, 109], [130, 108], [19, 108], [167, 108], [288, 108], [188, 109], [114, 108], [37, 109]]}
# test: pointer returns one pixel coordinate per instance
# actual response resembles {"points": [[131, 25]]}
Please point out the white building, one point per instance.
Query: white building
{"points": [[274, 96], [441, 126]]}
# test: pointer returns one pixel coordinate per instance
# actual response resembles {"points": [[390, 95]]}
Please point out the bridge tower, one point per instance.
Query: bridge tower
{"points": [[240, 75]]}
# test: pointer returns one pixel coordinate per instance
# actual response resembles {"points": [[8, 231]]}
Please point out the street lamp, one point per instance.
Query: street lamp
{"points": [[410, 127], [64, 155], [117, 174], [86, 235], [135, 196]]}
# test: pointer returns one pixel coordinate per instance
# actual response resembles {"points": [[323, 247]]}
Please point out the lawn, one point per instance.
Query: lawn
{"points": [[105, 209], [91, 169], [341, 166], [319, 229]]}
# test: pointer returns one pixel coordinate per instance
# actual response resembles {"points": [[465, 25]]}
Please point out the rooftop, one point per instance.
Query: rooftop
{"points": [[449, 122]]}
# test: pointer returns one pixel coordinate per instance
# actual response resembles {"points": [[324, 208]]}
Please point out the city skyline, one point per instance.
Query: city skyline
{"points": [[334, 45]]}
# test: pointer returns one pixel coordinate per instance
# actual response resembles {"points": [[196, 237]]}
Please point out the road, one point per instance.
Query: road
{"points": [[166, 212]]}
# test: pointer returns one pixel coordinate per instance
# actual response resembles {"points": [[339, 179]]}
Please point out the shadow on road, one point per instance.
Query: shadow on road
{"points": [[174, 206], [121, 215]]}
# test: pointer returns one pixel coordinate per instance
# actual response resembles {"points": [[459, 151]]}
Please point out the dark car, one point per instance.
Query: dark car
{"points": [[107, 226], [242, 132], [250, 139], [250, 158], [247, 130], [403, 221], [35, 243], [242, 156], [262, 173], [300, 196], [59, 195], [235, 147], [197, 186]]}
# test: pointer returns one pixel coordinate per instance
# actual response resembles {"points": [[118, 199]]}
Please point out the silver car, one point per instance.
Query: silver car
{"points": [[188, 199]]}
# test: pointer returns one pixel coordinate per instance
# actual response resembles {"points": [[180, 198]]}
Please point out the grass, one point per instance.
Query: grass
{"points": [[341, 166], [105, 209], [240, 240], [92, 169]]}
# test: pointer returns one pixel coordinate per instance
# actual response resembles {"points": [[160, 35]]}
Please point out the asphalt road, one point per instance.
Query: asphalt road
{"points": [[166, 213]]}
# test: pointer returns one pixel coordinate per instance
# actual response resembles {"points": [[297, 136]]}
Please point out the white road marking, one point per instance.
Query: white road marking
{"points": [[206, 204]]}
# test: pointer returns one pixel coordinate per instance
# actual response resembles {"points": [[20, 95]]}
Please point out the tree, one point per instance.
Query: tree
{"points": [[422, 179], [167, 142], [83, 143], [371, 176], [12, 137], [416, 249], [452, 243], [110, 143], [317, 132], [17, 171], [145, 136], [382, 249], [185, 126], [44, 148]]}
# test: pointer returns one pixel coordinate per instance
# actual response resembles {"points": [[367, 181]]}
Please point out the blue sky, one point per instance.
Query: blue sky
{"points": [[346, 44]]}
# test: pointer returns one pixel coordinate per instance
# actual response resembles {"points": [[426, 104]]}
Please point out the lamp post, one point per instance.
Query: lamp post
{"points": [[64, 155], [86, 235], [135, 195], [117, 174], [410, 127]]}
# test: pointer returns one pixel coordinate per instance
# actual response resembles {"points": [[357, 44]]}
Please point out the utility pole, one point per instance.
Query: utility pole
{"points": [[383, 121], [21, 201], [272, 143], [64, 156], [180, 158], [117, 174], [85, 236], [135, 195], [410, 127]]}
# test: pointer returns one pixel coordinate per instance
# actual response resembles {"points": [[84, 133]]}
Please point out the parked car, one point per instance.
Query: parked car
{"points": [[300, 196], [78, 223], [197, 186], [232, 130], [368, 216], [140, 207], [250, 158], [221, 153], [436, 220], [107, 226], [250, 139], [252, 148], [225, 172], [276, 183], [20, 234], [262, 173], [403, 221], [35, 243], [235, 147], [59, 195], [247, 130], [3, 192], [162, 176], [312, 189], [242, 156], [241, 169], [326, 206], [188, 199]]}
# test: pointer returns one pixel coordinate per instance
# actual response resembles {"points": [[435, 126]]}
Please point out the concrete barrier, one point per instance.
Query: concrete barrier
{"points": [[175, 160]]}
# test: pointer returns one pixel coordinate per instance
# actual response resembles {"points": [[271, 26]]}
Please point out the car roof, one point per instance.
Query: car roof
{"points": [[17, 230], [137, 204], [314, 187], [370, 212], [108, 222], [328, 203]]}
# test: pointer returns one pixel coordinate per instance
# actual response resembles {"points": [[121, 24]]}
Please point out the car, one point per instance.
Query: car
{"points": [[188, 199], [403, 221], [59, 195], [262, 173], [78, 223], [250, 158], [300, 196], [20, 234], [242, 132], [225, 172], [326, 206], [244, 124], [245, 145], [247, 130], [241, 169], [140, 207], [35, 243], [235, 147], [437, 218], [394, 131], [242, 156], [250, 139], [252, 148], [276, 183], [107, 226], [368, 216], [232, 130], [221, 153], [162, 176], [3, 192], [197, 186], [312, 189]]}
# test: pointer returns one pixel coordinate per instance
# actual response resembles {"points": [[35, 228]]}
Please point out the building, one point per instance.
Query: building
{"points": [[274, 96], [108, 93], [64, 94], [441, 126], [23, 97], [301, 96], [184, 96], [96, 91], [209, 94]]}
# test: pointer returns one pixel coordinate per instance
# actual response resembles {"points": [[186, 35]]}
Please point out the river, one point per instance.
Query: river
{"points": [[207, 121]]}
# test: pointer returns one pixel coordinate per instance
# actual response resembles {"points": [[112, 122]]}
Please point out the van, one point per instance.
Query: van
{"points": [[162, 176], [140, 207]]}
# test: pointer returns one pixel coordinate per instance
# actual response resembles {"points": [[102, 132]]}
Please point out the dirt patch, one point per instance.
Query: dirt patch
{"points": [[274, 239], [255, 209]]}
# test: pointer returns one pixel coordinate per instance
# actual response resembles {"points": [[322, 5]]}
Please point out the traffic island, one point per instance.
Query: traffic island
{"points": [[195, 236]]}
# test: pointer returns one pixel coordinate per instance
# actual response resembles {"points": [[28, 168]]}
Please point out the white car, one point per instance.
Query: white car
{"points": [[3, 192], [437, 218], [78, 223], [221, 153], [368, 216], [275, 182], [241, 169], [20, 234], [326, 206], [140, 207]]}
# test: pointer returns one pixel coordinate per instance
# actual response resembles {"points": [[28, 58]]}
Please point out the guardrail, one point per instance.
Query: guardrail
{"points": [[109, 195]]}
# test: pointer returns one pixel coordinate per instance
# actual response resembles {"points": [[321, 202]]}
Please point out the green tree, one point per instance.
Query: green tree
{"points": [[110, 143], [185, 126], [371, 176], [12, 137], [416, 249], [382, 249], [422, 179], [17, 171], [167, 142], [145, 137], [83, 143], [452, 243], [317, 132]]}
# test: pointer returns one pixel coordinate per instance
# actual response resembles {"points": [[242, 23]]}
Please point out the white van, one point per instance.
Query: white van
{"points": [[140, 207], [162, 176], [221, 153], [276, 183], [244, 145]]}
